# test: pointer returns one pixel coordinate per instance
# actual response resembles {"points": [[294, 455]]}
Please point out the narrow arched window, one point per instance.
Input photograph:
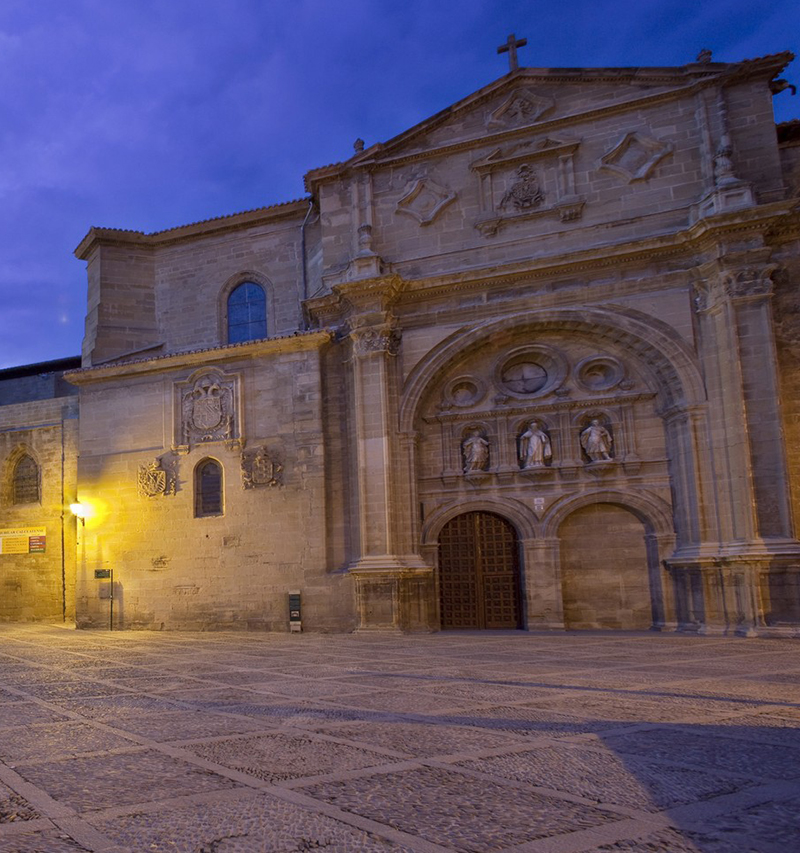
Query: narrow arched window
{"points": [[26, 481], [247, 313], [208, 489]]}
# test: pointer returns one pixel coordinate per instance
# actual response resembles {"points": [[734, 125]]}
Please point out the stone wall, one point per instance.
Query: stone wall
{"points": [[40, 586]]}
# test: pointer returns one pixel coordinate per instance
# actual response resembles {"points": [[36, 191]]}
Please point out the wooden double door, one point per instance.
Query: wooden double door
{"points": [[479, 577]]}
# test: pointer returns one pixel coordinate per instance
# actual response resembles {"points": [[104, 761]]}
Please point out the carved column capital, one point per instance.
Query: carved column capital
{"points": [[739, 283], [749, 282], [369, 340]]}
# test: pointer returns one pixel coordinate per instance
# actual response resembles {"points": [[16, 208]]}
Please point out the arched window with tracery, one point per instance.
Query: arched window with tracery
{"points": [[25, 481], [208, 488], [247, 313]]}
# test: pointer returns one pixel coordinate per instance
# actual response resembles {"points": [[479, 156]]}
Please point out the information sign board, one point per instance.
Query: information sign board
{"points": [[23, 540]]}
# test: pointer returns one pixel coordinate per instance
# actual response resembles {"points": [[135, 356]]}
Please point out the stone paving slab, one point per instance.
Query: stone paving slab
{"points": [[456, 811], [237, 743]]}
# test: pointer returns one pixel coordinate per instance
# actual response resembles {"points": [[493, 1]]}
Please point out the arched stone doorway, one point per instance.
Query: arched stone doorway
{"points": [[479, 574], [605, 575]]}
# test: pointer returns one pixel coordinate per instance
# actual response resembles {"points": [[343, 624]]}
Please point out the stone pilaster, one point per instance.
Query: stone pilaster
{"points": [[394, 586]]}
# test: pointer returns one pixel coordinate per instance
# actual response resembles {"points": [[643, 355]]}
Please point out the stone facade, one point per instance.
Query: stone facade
{"points": [[39, 425], [531, 363]]}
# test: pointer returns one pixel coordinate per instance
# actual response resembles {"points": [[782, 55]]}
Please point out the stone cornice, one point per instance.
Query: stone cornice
{"points": [[208, 227], [200, 358], [701, 237]]}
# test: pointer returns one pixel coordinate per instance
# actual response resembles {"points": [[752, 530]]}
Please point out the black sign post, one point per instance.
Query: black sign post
{"points": [[295, 612], [108, 574]]}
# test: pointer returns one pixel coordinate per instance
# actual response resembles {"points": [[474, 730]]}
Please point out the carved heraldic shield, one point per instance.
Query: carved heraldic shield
{"points": [[207, 411], [260, 469]]}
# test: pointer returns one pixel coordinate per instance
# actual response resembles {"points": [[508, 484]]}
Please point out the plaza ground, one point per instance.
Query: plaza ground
{"points": [[509, 741]]}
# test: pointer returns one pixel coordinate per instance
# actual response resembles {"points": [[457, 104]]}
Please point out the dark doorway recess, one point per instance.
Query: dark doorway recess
{"points": [[479, 577]]}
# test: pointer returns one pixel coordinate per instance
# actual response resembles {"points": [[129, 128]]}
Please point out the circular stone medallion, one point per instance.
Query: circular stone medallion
{"points": [[524, 377]]}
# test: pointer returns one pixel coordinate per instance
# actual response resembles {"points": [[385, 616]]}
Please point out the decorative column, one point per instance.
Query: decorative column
{"points": [[394, 588], [748, 525]]}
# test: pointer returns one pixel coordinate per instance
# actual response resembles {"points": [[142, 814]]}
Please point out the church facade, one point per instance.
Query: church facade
{"points": [[530, 364]]}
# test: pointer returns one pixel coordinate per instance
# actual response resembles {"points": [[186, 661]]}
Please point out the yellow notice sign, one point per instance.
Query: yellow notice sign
{"points": [[23, 540]]}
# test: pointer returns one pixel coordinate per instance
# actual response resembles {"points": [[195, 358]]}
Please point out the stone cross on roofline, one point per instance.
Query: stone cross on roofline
{"points": [[510, 47]]}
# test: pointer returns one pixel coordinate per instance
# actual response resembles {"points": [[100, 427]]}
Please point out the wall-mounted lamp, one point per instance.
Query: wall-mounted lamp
{"points": [[80, 511]]}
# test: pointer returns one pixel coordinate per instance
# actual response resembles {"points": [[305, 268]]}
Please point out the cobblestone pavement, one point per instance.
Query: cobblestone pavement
{"points": [[235, 743]]}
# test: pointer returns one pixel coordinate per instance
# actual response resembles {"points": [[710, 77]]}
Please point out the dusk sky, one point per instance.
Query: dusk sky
{"points": [[146, 115]]}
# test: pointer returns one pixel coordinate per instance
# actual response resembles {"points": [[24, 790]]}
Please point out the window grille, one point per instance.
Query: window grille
{"points": [[26, 481], [208, 489]]}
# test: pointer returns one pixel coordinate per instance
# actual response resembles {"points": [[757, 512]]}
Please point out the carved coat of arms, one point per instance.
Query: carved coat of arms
{"points": [[525, 193], [207, 411], [156, 478], [260, 469]]}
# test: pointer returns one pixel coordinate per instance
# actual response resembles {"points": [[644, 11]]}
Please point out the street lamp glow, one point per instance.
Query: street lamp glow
{"points": [[79, 510]]}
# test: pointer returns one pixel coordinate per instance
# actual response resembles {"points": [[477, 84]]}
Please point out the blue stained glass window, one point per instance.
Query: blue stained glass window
{"points": [[247, 313]]}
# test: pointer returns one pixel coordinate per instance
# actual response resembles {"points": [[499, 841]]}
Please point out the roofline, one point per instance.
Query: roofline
{"points": [[696, 72], [53, 366], [203, 228], [206, 356]]}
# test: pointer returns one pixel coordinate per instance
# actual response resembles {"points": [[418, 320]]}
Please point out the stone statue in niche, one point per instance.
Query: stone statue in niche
{"points": [[596, 441], [260, 469], [534, 445], [525, 193], [475, 449]]}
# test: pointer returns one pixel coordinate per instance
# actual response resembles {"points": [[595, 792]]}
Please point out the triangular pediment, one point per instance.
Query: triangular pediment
{"points": [[552, 102]]}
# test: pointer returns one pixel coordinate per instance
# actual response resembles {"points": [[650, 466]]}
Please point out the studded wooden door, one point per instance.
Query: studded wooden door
{"points": [[479, 572]]}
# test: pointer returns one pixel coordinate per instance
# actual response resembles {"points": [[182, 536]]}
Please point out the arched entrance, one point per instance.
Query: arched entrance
{"points": [[479, 577], [605, 576]]}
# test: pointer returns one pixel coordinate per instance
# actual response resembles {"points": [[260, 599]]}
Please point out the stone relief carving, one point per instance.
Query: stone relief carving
{"points": [[475, 450], [635, 156], [525, 193], [375, 339], [158, 477], [207, 410], [596, 441], [535, 450], [521, 107], [424, 200], [510, 189], [259, 468]]}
